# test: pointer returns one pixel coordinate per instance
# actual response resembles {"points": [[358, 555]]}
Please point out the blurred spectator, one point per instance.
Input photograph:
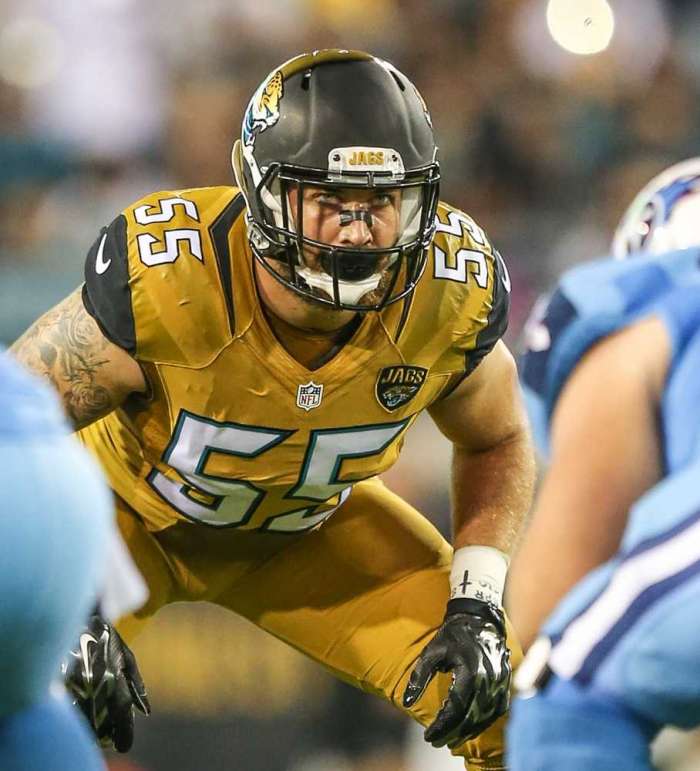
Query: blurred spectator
{"points": [[108, 94]]}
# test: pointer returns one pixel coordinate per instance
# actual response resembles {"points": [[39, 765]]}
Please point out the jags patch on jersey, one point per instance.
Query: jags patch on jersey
{"points": [[397, 385]]}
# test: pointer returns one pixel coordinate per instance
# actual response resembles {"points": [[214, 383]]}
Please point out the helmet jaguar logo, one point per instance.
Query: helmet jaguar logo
{"points": [[272, 93], [264, 108]]}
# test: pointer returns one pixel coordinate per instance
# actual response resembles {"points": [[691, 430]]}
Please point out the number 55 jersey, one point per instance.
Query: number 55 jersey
{"points": [[234, 432], [245, 479]]}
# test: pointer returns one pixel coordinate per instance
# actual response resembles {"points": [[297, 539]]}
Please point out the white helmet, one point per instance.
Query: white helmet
{"points": [[665, 214]]}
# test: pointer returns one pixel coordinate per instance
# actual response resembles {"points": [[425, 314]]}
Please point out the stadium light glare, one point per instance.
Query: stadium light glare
{"points": [[581, 26]]}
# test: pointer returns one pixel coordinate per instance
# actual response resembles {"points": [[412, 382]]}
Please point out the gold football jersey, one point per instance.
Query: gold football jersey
{"points": [[235, 433]]}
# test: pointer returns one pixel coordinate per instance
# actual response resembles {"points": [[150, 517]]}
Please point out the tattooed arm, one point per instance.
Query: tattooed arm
{"points": [[92, 375]]}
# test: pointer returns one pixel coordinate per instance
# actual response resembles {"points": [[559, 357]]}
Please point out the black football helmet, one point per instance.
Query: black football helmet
{"points": [[343, 123]]}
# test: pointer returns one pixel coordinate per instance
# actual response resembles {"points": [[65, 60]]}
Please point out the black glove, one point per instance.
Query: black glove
{"points": [[105, 683], [471, 643]]}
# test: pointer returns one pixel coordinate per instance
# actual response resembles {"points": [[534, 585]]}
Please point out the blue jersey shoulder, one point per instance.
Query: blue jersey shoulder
{"points": [[594, 300], [28, 407], [680, 404]]}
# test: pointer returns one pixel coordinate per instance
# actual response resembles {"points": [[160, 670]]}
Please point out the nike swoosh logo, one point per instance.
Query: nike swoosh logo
{"points": [[85, 640], [100, 265]]}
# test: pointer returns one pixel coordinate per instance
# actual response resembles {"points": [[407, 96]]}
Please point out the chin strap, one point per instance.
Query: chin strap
{"points": [[350, 291]]}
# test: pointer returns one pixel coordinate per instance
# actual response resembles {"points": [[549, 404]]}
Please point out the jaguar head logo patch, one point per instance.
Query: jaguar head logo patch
{"points": [[397, 385]]}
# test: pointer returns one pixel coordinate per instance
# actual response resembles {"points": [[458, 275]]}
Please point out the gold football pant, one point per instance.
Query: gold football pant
{"points": [[362, 594]]}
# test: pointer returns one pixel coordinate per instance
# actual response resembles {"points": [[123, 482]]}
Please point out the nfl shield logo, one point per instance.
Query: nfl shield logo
{"points": [[309, 395]]}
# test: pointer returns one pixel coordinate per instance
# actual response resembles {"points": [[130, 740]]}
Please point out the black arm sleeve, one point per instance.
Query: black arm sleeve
{"points": [[106, 294]]}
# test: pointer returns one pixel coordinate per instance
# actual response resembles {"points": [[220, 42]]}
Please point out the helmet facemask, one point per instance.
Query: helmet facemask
{"points": [[392, 222]]}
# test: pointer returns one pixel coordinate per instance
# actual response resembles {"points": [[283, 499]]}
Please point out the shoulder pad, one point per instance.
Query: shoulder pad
{"points": [[158, 279], [465, 289], [592, 301]]}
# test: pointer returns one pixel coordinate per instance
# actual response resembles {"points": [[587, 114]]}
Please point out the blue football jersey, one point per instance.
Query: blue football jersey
{"points": [[54, 530], [611, 631], [596, 299]]}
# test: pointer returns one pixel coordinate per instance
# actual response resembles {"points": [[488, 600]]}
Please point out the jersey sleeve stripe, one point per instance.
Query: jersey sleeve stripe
{"points": [[497, 321], [640, 582], [492, 331], [219, 231]]}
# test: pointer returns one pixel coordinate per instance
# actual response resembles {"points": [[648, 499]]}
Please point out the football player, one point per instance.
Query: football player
{"points": [[245, 361], [609, 571], [53, 541]]}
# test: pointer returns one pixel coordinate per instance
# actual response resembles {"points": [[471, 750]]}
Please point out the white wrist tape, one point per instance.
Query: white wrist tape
{"points": [[478, 573]]}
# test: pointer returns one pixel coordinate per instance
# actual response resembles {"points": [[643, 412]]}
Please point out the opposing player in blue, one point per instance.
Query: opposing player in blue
{"points": [[55, 529], [605, 591]]}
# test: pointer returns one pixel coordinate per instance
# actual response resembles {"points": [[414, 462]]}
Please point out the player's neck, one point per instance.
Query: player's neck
{"points": [[293, 310], [311, 349]]}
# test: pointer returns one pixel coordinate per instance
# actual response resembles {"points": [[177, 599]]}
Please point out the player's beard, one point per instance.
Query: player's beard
{"points": [[379, 293]]}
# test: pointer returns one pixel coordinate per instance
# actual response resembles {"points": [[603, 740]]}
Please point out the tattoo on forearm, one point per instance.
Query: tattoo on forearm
{"points": [[66, 346]]}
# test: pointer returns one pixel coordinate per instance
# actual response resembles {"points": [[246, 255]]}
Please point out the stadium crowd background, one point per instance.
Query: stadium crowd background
{"points": [[102, 101]]}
